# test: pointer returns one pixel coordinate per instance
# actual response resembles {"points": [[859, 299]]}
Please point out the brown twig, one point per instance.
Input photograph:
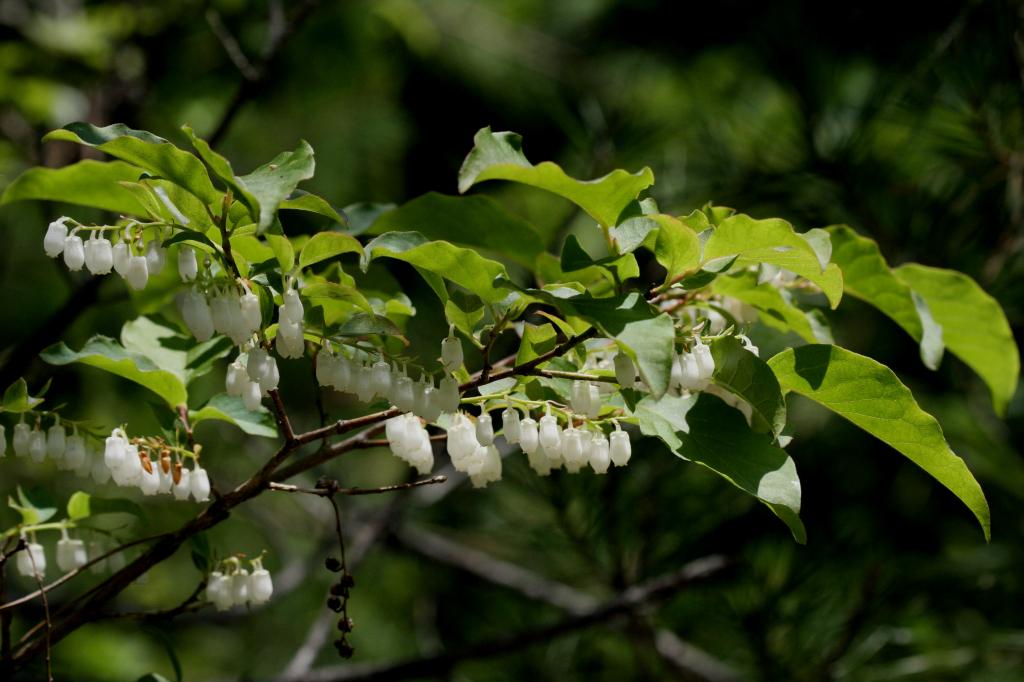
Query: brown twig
{"points": [[331, 491]]}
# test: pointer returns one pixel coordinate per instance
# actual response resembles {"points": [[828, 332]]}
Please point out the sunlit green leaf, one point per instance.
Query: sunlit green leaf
{"points": [[273, 182], [741, 372], [325, 245], [85, 183], [223, 407]]}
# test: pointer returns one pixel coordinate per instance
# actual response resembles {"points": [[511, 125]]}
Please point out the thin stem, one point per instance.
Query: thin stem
{"points": [[328, 492]]}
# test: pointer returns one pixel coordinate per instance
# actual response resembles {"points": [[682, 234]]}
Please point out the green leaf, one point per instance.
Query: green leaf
{"points": [[677, 247], [537, 340], [646, 335], [82, 505], [145, 150], [574, 258], [283, 251], [464, 311], [465, 267], [869, 395], [867, 276], [273, 182], [230, 409], [31, 513], [312, 203], [324, 245], [86, 183], [974, 326], [78, 506], [775, 306], [171, 350], [748, 376], [339, 301], [476, 221], [221, 167], [108, 355], [499, 156], [773, 241], [17, 399], [362, 324], [707, 431]]}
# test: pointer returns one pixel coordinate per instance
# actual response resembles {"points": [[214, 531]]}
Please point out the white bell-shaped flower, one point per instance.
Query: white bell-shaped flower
{"points": [[197, 315], [290, 342], [236, 379], [261, 587], [529, 439], [32, 561], [484, 429], [619, 450], [397, 433], [71, 554], [240, 587], [188, 264], [341, 376], [199, 482], [114, 451], [363, 383], [380, 378], [218, 591], [74, 252], [550, 433], [572, 450], [691, 379], [37, 445], [99, 471], [249, 304], [580, 398], [99, 255], [271, 376], [20, 438], [403, 395], [164, 471], [419, 396], [448, 394], [510, 424], [326, 364], [56, 233], [130, 472], [149, 482], [462, 441], [451, 351], [156, 257], [56, 441], [74, 452], [291, 308], [256, 363], [431, 411], [599, 454], [138, 272], [625, 370], [122, 252], [220, 310], [594, 402], [487, 467], [183, 488], [705, 363], [252, 396]]}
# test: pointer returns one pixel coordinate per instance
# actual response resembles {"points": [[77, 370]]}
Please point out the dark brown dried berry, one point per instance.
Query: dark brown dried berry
{"points": [[337, 589], [345, 649], [332, 564], [334, 604], [346, 625], [347, 580]]}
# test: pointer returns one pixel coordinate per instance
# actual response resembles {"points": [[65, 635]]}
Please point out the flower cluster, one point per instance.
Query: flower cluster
{"points": [[410, 442], [233, 311], [71, 555], [251, 375], [692, 370], [290, 342], [236, 586], [129, 463], [99, 256]]}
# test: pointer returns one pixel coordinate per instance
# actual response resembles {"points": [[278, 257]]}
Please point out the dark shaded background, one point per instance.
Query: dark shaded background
{"points": [[904, 120]]}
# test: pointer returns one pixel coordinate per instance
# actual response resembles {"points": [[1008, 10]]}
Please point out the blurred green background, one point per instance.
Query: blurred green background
{"points": [[904, 120]]}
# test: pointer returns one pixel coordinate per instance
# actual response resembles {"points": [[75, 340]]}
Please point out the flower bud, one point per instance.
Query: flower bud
{"points": [[484, 429], [197, 315], [292, 309], [240, 587], [122, 253], [218, 591], [156, 257], [550, 434], [138, 272], [252, 316], [56, 441], [690, 373], [188, 265], [451, 351], [403, 396], [595, 401], [74, 252], [625, 370], [380, 379], [572, 450], [199, 484], [528, 437], [448, 395], [431, 404], [599, 454], [580, 398], [53, 242], [362, 383], [271, 377], [236, 379], [705, 363], [37, 445], [32, 561]]}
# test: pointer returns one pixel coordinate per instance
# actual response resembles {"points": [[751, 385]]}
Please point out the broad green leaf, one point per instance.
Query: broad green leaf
{"points": [[221, 167], [646, 335], [821, 241], [499, 156], [324, 245], [748, 376], [177, 205], [108, 355], [31, 513], [78, 506], [476, 221], [17, 399], [325, 294], [775, 306], [85, 183], [82, 505], [974, 326], [465, 312], [283, 251], [362, 324], [574, 258], [677, 247], [537, 340], [773, 241], [868, 394], [251, 248], [171, 350], [145, 150], [312, 203], [230, 409], [465, 267], [193, 238], [273, 182], [705, 430], [867, 276]]}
